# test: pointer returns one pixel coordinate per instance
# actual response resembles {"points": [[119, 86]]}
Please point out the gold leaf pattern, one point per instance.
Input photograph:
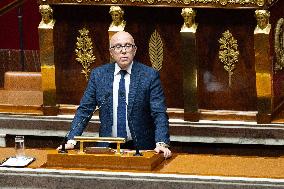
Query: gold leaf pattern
{"points": [[279, 44], [228, 53], [224, 3], [156, 51], [84, 51]]}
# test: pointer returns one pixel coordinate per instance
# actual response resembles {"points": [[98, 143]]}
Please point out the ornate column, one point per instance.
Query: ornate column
{"points": [[45, 30], [263, 66], [189, 60]]}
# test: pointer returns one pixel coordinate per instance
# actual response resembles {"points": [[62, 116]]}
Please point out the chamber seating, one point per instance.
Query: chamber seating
{"points": [[22, 89]]}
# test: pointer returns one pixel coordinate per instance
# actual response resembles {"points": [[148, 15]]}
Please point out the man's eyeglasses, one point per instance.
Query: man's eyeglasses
{"points": [[118, 48]]}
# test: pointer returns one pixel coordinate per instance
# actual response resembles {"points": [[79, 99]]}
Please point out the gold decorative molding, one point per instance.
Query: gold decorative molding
{"points": [[193, 3], [156, 51], [279, 44], [84, 51], [228, 53]]}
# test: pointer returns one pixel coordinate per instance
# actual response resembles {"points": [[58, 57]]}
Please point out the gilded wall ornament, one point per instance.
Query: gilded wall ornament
{"points": [[47, 20], [156, 51], [84, 51], [189, 24], [279, 44], [117, 23], [223, 2], [259, 3], [228, 53], [262, 18]]}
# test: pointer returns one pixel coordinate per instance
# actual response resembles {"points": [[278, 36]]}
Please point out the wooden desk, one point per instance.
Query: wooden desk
{"points": [[190, 164], [113, 161]]}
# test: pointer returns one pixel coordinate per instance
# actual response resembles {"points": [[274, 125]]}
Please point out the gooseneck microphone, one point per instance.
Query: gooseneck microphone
{"points": [[63, 149], [137, 152]]}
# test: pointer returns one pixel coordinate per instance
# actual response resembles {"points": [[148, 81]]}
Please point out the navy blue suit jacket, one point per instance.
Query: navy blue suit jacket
{"points": [[146, 110]]}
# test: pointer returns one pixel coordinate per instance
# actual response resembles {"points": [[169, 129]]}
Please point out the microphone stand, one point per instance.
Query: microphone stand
{"points": [[63, 150], [137, 152]]}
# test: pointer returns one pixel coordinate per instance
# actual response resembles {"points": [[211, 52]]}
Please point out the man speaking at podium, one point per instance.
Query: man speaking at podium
{"points": [[130, 99]]}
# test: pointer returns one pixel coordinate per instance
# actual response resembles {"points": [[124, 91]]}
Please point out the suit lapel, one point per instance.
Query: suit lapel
{"points": [[134, 80], [109, 87]]}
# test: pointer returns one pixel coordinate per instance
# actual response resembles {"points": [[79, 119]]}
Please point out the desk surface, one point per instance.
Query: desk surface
{"points": [[191, 164]]}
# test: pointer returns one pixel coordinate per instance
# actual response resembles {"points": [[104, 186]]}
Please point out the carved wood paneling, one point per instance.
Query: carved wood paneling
{"points": [[214, 91], [141, 23], [69, 19], [276, 12]]}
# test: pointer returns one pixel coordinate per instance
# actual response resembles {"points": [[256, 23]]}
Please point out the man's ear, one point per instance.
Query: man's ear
{"points": [[135, 50], [111, 53]]}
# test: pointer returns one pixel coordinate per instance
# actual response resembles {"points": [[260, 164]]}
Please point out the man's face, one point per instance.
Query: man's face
{"points": [[122, 49]]}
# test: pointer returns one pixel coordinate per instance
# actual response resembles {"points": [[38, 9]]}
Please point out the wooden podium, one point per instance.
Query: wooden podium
{"points": [[103, 158], [74, 159]]}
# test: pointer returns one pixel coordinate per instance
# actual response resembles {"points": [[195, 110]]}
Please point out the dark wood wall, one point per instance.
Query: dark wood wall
{"points": [[69, 20], [276, 12], [141, 23], [214, 90]]}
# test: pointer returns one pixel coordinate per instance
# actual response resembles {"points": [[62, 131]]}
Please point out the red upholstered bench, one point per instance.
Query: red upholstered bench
{"points": [[22, 81], [22, 88]]}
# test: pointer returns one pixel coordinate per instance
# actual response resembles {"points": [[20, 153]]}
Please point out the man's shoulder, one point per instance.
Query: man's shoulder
{"points": [[145, 68], [103, 68]]}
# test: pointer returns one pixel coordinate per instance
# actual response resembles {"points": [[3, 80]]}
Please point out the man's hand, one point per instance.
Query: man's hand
{"points": [[167, 152], [68, 146]]}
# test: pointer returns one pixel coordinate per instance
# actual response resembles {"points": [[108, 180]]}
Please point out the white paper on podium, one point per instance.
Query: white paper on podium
{"points": [[17, 161]]}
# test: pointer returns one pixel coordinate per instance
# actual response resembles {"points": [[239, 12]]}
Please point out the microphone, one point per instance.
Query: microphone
{"points": [[63, 150], [137, 152]]}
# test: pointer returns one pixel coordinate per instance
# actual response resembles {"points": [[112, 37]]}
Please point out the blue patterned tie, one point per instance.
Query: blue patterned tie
{"points": [[121, 108]]}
